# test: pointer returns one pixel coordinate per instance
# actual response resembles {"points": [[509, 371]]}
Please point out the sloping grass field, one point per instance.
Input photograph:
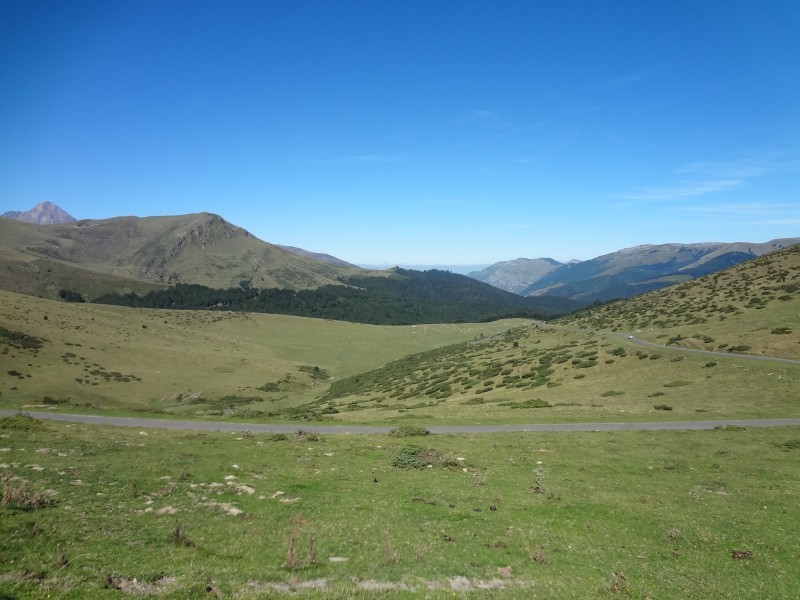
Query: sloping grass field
{"points": [[103, 512], [97, 357]]}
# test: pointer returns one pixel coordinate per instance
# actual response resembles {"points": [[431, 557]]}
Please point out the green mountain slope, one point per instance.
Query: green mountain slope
{"points": [[752, 307], [579, 369], [198, 248]]}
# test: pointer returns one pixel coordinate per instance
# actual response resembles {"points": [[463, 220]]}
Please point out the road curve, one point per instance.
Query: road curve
{"points": [[362, 429], [737, 355]]}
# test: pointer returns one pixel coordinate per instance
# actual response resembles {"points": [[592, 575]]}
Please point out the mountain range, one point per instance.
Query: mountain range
{"points": [[142, 254], [624, 273]]}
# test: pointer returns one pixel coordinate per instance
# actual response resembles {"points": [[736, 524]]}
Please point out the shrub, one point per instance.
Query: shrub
{"points": [[672, 384], [781, 330], [408, 431], [18, 495], [739, 348], [308, 436], [410, 457], [51, 400], [22, 422], [610, 393], [791, 445], [473, 402], [662, 407]]}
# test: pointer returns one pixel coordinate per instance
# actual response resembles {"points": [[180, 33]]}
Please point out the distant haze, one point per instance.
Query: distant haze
{"points": [[461, 269]]}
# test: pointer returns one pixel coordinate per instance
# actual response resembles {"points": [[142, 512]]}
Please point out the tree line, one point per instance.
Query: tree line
{"points": [[402, 298]]}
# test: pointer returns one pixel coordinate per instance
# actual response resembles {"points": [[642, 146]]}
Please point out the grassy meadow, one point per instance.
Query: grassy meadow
{"points": [[199, 363], [102, 512]]}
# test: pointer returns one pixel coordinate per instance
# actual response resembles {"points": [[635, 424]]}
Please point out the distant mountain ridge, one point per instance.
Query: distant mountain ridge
{"points": [[199, 248], [318, 256], [516, 275], [627, 272], [44, 213]]}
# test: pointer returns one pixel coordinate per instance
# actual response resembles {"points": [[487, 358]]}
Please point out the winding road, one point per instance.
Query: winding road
{"points": [[635, 340]]}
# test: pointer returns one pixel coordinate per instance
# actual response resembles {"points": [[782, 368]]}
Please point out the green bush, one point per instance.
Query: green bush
{"points": [[22, 422], [409, 431], [410, 457], [662, 407]]}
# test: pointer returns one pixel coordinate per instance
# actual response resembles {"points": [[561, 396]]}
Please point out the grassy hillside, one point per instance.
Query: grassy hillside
{"points": [[753, 307], [535, 374], [99, 512], [270, 367], [189, 362], [567, 372], [198, 248]]}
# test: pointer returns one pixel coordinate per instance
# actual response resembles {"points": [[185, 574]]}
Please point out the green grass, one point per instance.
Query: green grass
{"points": [[166, 362], [178, 364], [578, 515]]}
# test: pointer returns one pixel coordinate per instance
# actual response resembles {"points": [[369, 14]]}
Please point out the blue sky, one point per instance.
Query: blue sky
{"points": [[424, 132]]}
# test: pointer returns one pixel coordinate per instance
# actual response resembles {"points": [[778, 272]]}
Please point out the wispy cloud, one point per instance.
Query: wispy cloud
{"points": [[701, 178], [361, 159], [764, 214], [484, 117], [495, 126], [681, 190], [742, 168], [623, 81], [731, 209], [789, 221]]}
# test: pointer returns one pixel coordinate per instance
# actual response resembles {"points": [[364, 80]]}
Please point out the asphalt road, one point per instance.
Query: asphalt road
{"points": [[736, 355], [356, 429]]}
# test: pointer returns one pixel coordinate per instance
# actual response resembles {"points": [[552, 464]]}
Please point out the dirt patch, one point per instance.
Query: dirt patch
{"points": [[132, 586], [291, 587], [382, 586]]}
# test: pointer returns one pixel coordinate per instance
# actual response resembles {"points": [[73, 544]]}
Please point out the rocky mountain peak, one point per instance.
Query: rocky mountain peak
{"points": [[44, 213]]}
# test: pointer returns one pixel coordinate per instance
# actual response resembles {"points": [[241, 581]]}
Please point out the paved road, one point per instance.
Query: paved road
{"points": [[736, 355], [355, 429]]}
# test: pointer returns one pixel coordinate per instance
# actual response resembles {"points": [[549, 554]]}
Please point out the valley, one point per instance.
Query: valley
{"points": [[604, 452]]}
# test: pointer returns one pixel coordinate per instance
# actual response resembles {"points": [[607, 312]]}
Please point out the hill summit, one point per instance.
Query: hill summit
{"points": [[44, 213]]}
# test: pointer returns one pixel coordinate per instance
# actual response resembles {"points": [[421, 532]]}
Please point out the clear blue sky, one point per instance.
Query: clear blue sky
{"points": [[428, 132]]}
